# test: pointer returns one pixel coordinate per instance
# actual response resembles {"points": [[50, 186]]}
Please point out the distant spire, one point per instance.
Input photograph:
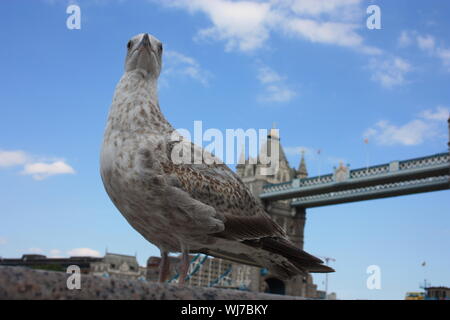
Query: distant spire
{"points": [[274, 132], [272, 137], [240, 166], [242, 156], [302, 172]]}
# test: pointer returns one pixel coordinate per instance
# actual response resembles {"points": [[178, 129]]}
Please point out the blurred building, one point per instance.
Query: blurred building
{"points": [[415, 296], [118, 266], [41, 262], [437, 293], [110, 266]]}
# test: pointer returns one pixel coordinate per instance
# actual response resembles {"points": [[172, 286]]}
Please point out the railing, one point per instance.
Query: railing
{"points": [[371, 171], [424, 162], [316, 180], [360, 174], [370, 190], [278, 186]]}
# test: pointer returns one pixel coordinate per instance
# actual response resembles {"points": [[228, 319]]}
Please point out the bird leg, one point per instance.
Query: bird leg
{"points": [[184, 268], [164, 266]]}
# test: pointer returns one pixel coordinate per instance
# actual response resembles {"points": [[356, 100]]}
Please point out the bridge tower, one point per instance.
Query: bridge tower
{"points": [[448, 144], [251, 171]]}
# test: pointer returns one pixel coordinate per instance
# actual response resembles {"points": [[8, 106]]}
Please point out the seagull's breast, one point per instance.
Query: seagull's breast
{"points": [[130, 167]]}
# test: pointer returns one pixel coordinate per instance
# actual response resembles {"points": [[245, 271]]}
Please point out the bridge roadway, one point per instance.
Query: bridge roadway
{"points": [[425, 174]]}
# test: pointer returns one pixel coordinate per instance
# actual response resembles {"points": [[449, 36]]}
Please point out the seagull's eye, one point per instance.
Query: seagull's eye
{"points": [[160, 47], [129, 45]]}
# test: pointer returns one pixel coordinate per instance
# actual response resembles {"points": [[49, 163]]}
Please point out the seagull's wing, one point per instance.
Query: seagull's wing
{"points": [[244, 218], [217, 186]]}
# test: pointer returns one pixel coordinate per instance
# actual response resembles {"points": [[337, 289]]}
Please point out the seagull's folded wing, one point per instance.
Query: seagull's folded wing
{"points": [[245, 219], [217, 186]]}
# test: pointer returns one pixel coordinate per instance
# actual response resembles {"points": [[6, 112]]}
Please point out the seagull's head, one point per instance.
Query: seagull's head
{"points": [[144, 53]]}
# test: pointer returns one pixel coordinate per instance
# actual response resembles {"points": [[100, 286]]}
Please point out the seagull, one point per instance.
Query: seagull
{"points": [[188, 207]]}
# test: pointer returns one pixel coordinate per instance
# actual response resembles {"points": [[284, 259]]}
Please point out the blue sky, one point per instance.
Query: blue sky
{"points": [[310, 66]]}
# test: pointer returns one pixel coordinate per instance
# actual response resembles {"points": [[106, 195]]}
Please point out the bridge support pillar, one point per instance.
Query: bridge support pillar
{"points": [[300, 220]]}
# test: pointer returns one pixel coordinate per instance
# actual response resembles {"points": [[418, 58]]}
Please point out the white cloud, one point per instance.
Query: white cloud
{"points": [[390, 72], [278, 93], [3, 241], [247, 25], [426, 43], [337, 33], [37, 169], [334, 22], [405, 39], [83, 252], [178, 64], [57, 253], [241, 24], [412, 133], [440, 114], [275, 89], [267, 75], [319, 7], [12, 158], [444, 55], [40, 170]]}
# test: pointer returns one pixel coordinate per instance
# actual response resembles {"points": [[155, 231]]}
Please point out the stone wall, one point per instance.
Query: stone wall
{"points": [[29, 284]]}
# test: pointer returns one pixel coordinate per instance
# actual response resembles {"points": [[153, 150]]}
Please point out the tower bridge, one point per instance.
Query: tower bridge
{"points": [[425, 174], [288, 192]]}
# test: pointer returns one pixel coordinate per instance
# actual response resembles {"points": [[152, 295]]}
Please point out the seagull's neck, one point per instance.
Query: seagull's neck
{"points": [[135, 105], [137, 85]]}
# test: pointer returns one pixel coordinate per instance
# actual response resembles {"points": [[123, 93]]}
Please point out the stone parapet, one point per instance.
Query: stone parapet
{"points": [[24, 283]]}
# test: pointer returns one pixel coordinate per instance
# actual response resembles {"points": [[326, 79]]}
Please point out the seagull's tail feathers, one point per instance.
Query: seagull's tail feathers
{"points": [[277, 265], [285, 260]]}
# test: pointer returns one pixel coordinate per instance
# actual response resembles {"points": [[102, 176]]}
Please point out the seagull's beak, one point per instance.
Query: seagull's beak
{"points": [[145, 42]]}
